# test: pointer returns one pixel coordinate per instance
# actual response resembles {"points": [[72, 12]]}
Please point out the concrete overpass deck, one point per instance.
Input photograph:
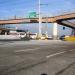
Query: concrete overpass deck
{"points": [[58, 19]]}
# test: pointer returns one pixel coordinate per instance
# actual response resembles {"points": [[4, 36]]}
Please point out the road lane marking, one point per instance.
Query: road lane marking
{"points": [[55, 54], [58, 53], [26, 50], [72, 50]]}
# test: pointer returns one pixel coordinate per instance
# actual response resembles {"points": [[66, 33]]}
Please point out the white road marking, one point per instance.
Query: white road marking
{"points": [[72, 50], [55, 54], [26, 50], [58, 53]]}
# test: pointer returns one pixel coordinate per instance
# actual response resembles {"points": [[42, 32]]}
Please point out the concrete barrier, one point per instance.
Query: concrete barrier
{"points": [[9, 37]]}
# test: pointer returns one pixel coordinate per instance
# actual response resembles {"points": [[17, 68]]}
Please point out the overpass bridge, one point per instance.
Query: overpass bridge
{"points": [[61, 20]]}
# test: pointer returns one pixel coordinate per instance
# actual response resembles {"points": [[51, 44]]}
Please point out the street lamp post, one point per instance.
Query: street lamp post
{"points": [[46, 26], [39, 20]]}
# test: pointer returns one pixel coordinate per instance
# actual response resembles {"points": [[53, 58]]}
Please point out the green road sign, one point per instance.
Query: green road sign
{"points": [[32, 15]]}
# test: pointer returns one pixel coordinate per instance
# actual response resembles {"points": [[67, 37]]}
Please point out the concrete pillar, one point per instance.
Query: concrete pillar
{"points": [[5, 33], [0, 31], [73, 32], [55, 32]]}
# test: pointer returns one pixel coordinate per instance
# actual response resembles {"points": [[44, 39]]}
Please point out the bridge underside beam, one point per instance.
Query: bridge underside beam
{"points": [[67, 24]]}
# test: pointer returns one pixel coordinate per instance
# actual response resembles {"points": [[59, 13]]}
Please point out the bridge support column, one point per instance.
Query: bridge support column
{"points": [[73, 32], [0, 31], [55, 31], [5, 33]]}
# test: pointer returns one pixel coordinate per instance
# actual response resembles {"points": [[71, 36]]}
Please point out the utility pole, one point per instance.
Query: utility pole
{"points": [[40, 34], [40, 19]]}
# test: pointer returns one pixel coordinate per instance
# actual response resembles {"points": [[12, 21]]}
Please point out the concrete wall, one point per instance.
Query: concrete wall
{"points": [[11, 37]]}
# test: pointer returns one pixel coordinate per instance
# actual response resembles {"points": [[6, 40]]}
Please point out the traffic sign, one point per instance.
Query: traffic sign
{"points": [[32, 15]]}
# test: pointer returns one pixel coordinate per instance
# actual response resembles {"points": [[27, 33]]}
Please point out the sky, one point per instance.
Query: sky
{"points": [[22, 8]]}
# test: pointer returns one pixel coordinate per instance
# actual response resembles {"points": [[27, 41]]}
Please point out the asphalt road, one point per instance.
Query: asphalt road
{"points": [[36, 57]]}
